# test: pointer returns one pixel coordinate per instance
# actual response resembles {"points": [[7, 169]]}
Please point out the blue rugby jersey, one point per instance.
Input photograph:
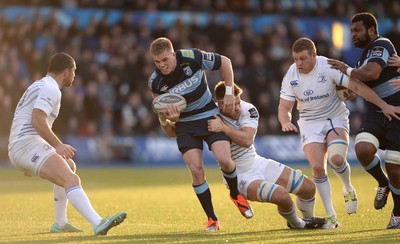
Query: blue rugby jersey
{"points": [[189, 80], [379, 51]]}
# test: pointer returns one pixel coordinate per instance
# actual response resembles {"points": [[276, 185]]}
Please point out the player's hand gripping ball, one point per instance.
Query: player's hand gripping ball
{"points": [[160, 102]]}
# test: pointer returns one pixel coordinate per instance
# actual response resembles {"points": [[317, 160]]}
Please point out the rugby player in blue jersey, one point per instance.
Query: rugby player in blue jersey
{"points": [[377, 131], [183, 72]]}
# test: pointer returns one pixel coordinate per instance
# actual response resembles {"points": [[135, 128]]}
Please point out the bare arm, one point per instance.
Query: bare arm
{"points": [[227, 76], [167, 121], [243, 137], [369, 95], [285, 115], [39, 122], [370, 71]]}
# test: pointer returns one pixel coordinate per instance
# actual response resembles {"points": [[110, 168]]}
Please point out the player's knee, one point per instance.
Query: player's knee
{"points": [[366, 146], [295, 181], [337, 151], [265, 191], [318, 170], [71, 165], [307, 190]]}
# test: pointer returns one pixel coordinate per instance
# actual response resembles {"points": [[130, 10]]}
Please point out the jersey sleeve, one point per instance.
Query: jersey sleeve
{"points": [[380, 51], [287, 85], [48, 98], [209, 60], [338, 77], [249, 116]]}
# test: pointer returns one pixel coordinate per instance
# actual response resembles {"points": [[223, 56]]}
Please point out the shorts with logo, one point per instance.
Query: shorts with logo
{"points": [[191, 134], [262, 169], [387, 132], [29, 154], [316, 131]]}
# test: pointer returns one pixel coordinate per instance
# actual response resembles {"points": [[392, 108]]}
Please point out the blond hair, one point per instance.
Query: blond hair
{"points": [[160, 45], [219, 90], [302, 44]]}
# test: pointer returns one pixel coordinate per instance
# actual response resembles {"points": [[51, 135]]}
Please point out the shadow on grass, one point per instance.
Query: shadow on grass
{"points": [[270, 236]]}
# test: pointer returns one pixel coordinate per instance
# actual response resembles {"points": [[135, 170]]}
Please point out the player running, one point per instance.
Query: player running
{"points": [[377, 131], [182, 72], [324, 123]]}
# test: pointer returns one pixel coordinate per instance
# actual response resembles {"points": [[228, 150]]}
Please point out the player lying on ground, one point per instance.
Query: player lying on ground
{"points": [[261, 179]]}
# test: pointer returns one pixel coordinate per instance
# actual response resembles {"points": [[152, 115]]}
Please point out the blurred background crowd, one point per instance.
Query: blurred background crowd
{"points": [[110, 94]]}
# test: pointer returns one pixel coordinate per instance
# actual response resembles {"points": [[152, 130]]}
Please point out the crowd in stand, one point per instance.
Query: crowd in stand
{"points": [[110, 94]]}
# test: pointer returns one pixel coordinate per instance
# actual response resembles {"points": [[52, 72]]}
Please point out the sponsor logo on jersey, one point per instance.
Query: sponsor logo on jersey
{"points": [[164, 88], [188, 71], [377, 52], [184, 85], [187, 53], [308, 93], [208, 56], [303, 138], [294, 83], [253, 113], [321, 78], [34, 158]]}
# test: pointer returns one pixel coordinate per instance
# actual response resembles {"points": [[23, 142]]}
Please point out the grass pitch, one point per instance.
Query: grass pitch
{"points": [[162, 208]]}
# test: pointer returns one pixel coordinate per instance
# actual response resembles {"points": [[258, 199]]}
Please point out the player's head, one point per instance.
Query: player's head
{"points": [[163, 54], [304, 54], [364, 29], [63, 67], [219, 92]]}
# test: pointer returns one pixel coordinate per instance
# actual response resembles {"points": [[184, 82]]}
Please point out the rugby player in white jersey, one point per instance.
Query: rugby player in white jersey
{"points": [[36, 150], [324, 124], [261, 179]]}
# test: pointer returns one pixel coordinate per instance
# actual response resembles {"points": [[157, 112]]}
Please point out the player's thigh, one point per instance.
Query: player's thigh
{"points": [[56, 170], [30, 154], [222, 151]]}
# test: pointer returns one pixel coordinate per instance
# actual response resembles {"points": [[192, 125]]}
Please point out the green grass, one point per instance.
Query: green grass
{"points": [[162, 208]]}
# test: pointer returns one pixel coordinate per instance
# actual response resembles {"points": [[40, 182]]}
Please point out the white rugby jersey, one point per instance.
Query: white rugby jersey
{"points": [[243, 157], [43, 94], [315, 92]]}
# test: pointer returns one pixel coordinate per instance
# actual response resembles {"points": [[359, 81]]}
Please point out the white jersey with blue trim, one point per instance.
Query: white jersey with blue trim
{"points": [[315, 92], [43, 94], [242, 156]]}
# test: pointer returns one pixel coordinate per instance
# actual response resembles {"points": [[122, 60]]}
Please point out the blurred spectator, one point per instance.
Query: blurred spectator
{"points": [[113, 62]]}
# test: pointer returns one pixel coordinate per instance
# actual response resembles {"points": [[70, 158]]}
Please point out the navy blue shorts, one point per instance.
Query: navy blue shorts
{"points": [[387, 132], [191, 135]]}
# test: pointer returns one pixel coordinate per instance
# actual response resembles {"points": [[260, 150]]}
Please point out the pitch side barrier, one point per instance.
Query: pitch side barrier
{"points": [[162, 151]]}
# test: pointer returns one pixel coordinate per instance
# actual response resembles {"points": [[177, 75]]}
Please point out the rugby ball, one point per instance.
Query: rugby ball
{"points": [[342, 92], [160, 102]]}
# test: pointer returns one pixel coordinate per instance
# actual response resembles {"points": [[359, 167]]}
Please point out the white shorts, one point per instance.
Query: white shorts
{"points": [[316, 131], [262, 169], [29, 154]]}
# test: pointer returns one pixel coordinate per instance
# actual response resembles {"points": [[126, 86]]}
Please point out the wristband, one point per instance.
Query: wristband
{"points": [[228, 90], [163, 122], [348, 71]]}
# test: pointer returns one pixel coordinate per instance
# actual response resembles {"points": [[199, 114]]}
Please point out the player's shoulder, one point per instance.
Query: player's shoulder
{"points": [[249, 109], [291, 72], [381, 42], [188, 53]]}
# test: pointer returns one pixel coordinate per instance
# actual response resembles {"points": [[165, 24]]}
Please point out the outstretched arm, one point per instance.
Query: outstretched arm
{"points": [[369, 95]]}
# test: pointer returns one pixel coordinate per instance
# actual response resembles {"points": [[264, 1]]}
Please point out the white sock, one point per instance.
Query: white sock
{"points": [[60, 205], [306, 207], [293, 218], [343, 173], [325, 192], [81, 202]]}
